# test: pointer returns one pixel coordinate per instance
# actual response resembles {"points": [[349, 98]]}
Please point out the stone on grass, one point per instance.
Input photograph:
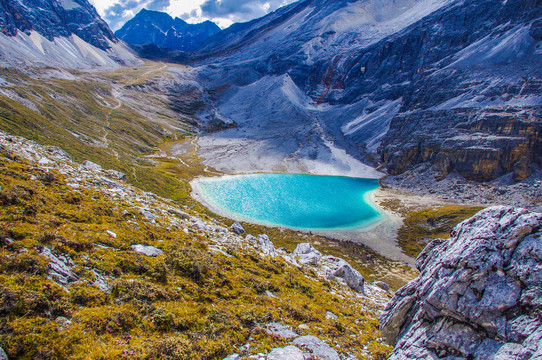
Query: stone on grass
{"points": [[89, 165], [233, 357], [147, 250], [279, 330], [307, 254], [179, 213], [111, 233], [289, 352], [237, 228], [319, 348]]}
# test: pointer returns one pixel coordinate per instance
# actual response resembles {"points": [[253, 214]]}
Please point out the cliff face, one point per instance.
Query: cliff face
{"points": [[454, 85], [478, 293], [481, 146], [55, 18]]}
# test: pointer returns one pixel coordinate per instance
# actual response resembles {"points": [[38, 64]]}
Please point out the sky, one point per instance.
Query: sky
{"points": [[222, 12]]}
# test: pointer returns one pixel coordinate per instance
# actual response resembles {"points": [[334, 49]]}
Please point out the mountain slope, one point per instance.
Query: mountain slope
{"points": [[404, 66], [64, 33], [161, 29]]}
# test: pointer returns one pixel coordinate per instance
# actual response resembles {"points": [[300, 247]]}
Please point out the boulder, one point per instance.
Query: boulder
{"points": [[3, 355], [289, 352], [89, 165], [340, 268], [232, 357], [319, 348], [266, 246], [279, 330], [147, 250], [307, 254], [115, 175], [237, 228], [478, 295], [179, 213], [59, 267], [263, 244]]}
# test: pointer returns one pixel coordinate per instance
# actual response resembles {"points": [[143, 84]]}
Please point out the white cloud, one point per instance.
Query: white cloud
{"points": [[222, 12]]}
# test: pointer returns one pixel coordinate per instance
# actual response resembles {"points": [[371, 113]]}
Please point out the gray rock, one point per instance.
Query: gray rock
{"points": [[319, 349], [100, 281], [477, 293], [289, 352], [344, 270], [58, 152], [3, 355], [62, 323], [147, 250], [232, 357], [266, 246], [148, 215], [331, 316], [199, 225], [179, 213], [382, 285], [237, 228], [115, 175], [59, 267], [89, 165], [307, 254], [282, 331]]}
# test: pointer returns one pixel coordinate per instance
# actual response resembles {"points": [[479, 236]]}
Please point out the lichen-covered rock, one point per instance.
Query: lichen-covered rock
{"points": [[263, 244], [479, 293]]}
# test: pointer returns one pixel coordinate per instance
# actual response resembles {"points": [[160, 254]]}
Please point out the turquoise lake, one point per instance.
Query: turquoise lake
{"points": [[304, 202]]}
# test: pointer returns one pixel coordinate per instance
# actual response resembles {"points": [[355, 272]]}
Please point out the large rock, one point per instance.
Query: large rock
{"points": [[147, 250], [307, 254], [319, 348], [337, 267], [286, 353], [479, 293]]}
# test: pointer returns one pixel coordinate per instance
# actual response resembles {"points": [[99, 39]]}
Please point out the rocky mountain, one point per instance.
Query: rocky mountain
{"points": [[453, 85], [65, 33], [478, 293], [155, 27]]}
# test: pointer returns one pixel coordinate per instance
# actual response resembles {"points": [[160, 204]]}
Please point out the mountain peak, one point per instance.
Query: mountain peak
{"points": [[159, 28], [56, 18]]}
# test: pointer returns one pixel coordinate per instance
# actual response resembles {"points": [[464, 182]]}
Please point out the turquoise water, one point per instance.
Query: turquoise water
{"points": [[306, 202]]}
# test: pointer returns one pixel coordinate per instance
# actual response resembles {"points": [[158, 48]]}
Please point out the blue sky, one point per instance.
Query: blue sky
{"points": [[222, 12]]}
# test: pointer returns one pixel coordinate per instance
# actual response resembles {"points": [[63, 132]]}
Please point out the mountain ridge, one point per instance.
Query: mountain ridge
{"points": [[160, 28]]}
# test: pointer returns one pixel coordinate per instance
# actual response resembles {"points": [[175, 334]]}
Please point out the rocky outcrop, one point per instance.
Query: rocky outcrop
{"points": [[479, 145], [159, 28], [55, 18], [478, 295]]}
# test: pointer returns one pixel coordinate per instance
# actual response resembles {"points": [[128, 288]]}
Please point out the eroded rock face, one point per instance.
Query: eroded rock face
{"points": [[479, 293], [55, 18]]}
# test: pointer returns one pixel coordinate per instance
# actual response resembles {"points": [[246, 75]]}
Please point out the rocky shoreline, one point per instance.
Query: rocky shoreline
{"points": [[454, 188]]}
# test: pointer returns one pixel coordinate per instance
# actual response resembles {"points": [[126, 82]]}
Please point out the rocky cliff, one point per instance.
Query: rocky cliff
{"points": [[154, 27], [451, 84], [478, 293], [58, 33], [55, 18]]}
